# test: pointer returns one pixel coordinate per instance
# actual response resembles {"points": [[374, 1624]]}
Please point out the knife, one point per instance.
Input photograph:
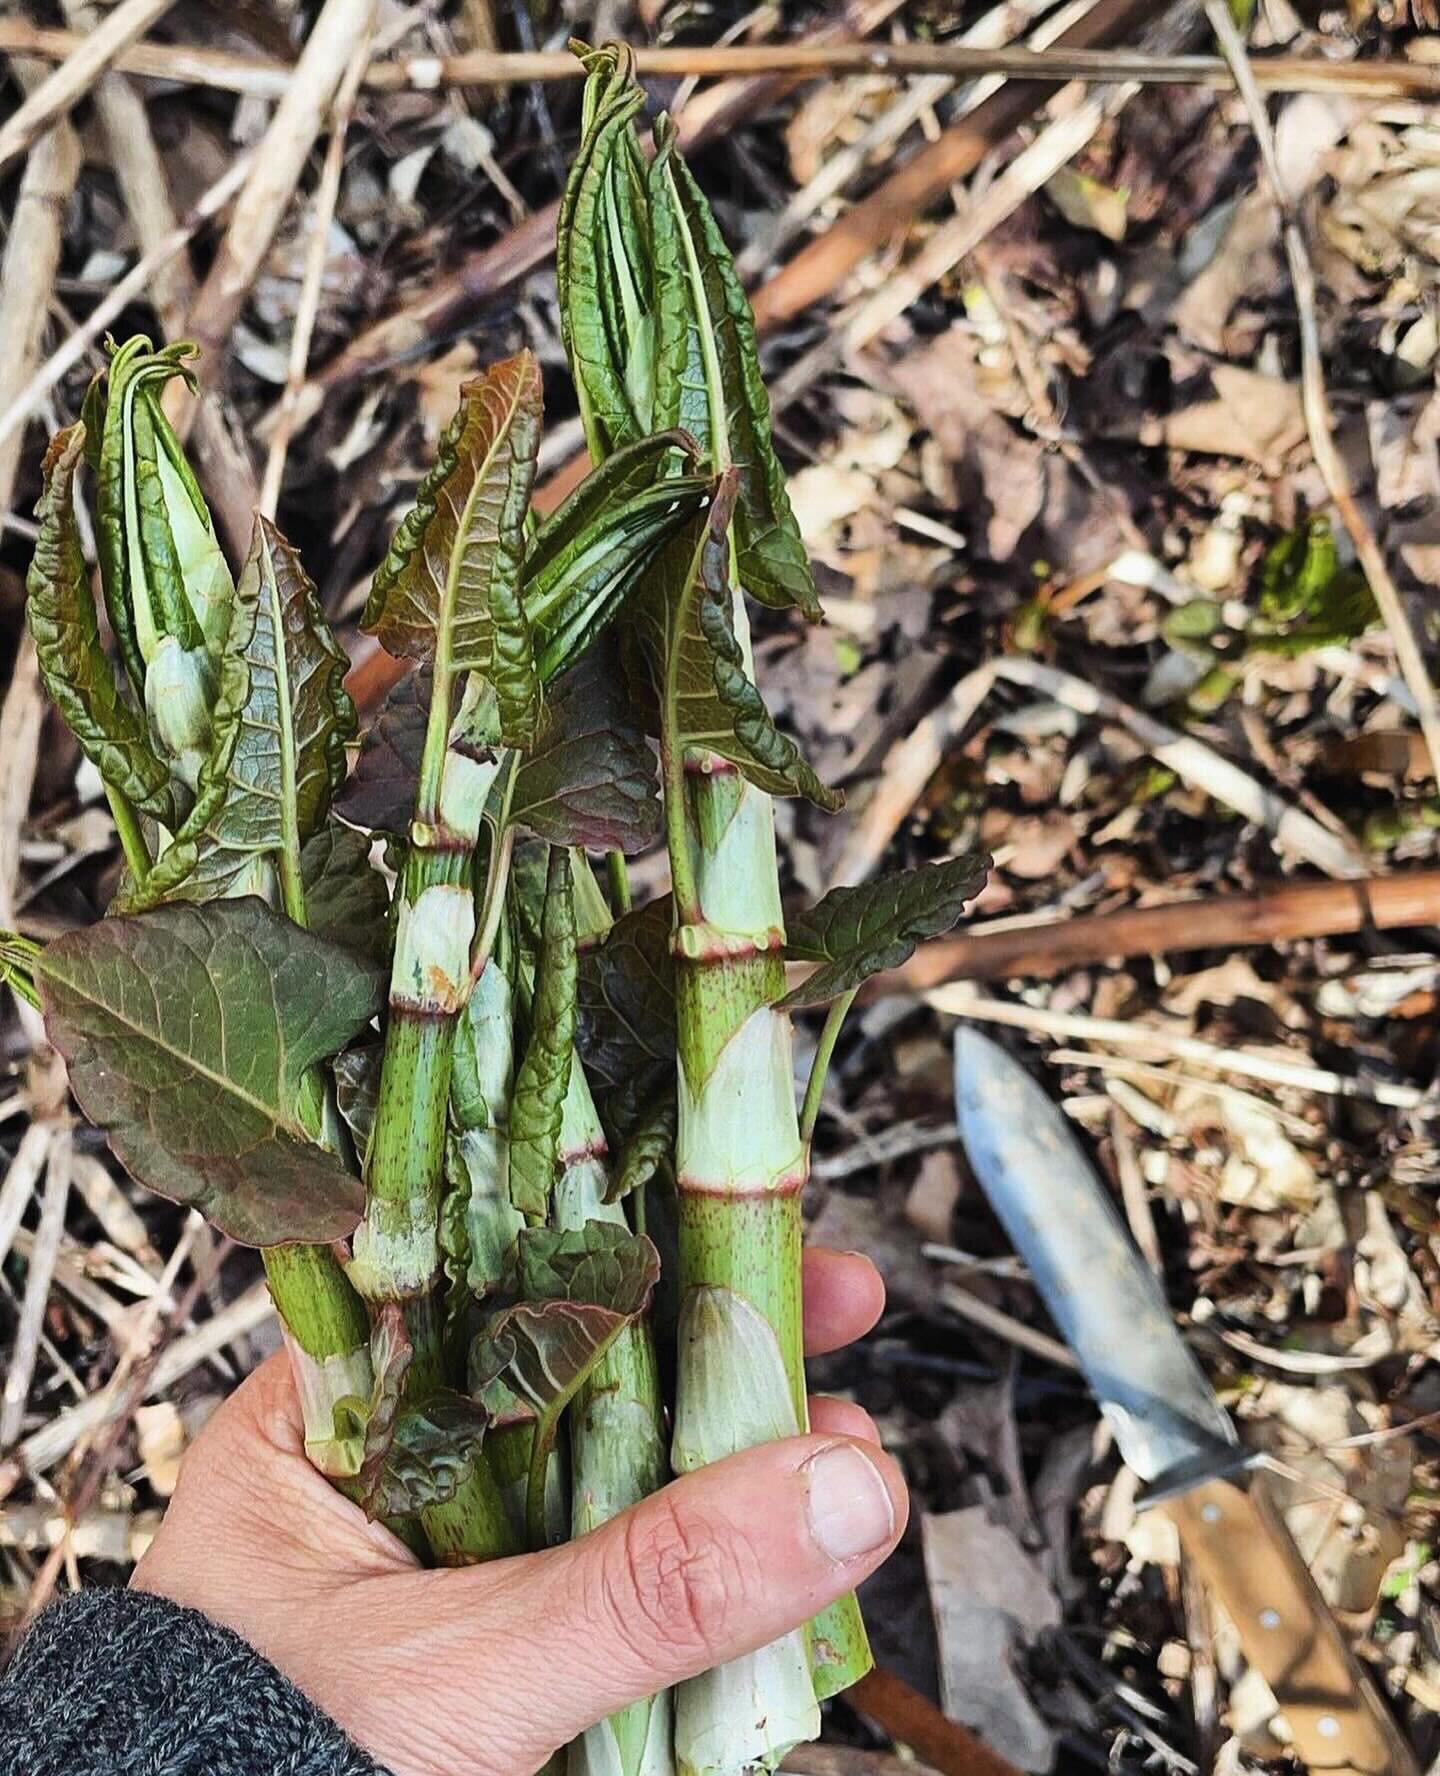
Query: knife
{"points": [[1172, 1431]]}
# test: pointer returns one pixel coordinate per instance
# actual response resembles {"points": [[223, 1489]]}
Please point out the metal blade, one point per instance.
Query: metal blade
{"points": [[1099, 1290]]}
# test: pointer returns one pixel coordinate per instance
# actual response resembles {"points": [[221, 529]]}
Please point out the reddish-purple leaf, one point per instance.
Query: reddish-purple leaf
{"points": [[188, 1031]]}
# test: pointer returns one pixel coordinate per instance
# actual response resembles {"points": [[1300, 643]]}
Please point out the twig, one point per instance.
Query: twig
{"points": [[21, 1178], [1132, 1191], [909, 766], [1316, 402], [963, 1000], [262, 78], [101, 1193], [913, 1720], [1056, 145], [92, 55], [327, 194], [134, 1373], [279, 161], [821, 266], [52, 1442], [140, 174], [27, 278], [991, 1319], [1196, 764], [990, 32], [26, 1346], [1287, 911], [142, 275]]}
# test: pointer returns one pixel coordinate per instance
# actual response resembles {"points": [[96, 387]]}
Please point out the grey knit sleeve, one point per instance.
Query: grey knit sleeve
{"points": [[122, 1683]]}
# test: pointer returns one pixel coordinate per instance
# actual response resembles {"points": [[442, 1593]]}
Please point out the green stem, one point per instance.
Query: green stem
{"points": [[682, 871], [130, 832], [540, 1449], [820, 1066], [617, 874], [474, 1526]]}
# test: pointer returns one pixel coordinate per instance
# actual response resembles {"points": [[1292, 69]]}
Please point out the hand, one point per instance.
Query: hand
{"points": [[484, 1671]]}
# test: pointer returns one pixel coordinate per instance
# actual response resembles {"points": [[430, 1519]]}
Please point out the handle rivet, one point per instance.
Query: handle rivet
{"points": [[1328, 1727], [1211, 1513], [1270, 1618]]}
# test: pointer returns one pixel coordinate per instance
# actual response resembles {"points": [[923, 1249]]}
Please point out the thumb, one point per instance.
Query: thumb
{"points": [[715, 1565]]}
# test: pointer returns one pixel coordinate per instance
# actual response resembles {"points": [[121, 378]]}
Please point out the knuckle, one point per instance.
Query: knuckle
{"points": [[680, 1581]]}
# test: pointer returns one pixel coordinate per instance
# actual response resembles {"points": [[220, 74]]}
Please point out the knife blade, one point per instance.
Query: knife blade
{"points": [[1171, 1430]]}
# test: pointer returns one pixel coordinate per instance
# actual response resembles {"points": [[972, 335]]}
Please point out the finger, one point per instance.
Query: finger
{"points": [[717, 1564], [841, 1418], [843, 1295]]}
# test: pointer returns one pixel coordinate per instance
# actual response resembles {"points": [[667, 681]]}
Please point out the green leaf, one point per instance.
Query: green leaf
{"points": [[231, 865], [1296, 569], [543, 1076], [578, 1291], [704, 331], [345, 899], [189, 1032], [287, 753], [590, 554], [161, 566], [626, 995], [1341, 610], [60, 611], [856, 932], [380, 793], [602, 258], [688, 628], [649, 1147], [593, 780], [449, 586]]}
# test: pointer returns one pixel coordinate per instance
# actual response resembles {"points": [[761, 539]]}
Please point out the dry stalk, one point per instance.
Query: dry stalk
{"points": [[909, 766], [327, 194], [1002, 1325], [963, 1000], [1053, 148], [1198, 765], [53, 1442], [279, 161], [27, 278], [21, 1178], [992, 31], [26, 1346], [84, 64], [1035, 945], [262, 78], [142, 276], [140, 174], [1316, 402], [134, 1373]]}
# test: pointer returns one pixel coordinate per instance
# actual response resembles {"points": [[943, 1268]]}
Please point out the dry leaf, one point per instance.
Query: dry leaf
{"points": [[161, 1437], [991, 1600]]}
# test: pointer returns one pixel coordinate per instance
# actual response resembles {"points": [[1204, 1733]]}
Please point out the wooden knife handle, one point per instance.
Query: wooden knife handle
{"points": [[1243, 1552]]}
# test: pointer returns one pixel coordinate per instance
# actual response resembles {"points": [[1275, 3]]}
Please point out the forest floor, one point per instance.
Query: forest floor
{"points": [[1060, 443]]}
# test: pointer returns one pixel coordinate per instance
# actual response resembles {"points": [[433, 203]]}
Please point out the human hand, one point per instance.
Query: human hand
{"points": [[484, 1671]]}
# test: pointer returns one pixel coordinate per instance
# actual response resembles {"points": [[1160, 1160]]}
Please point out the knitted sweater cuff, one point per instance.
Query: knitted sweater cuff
{"points": [[110, 1681]]}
